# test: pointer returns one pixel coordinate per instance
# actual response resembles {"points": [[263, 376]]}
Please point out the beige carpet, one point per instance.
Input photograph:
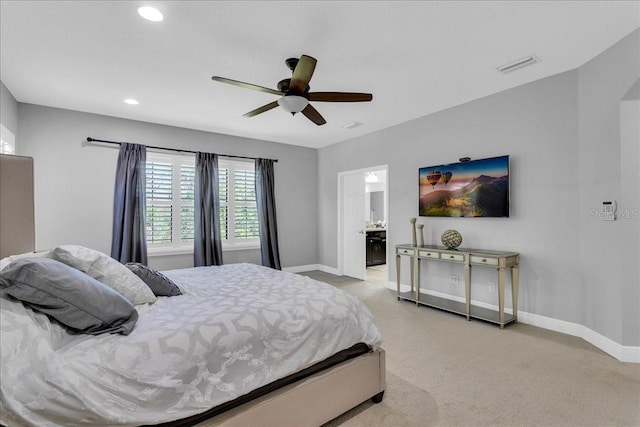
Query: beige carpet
{"points": [[445, 371]]}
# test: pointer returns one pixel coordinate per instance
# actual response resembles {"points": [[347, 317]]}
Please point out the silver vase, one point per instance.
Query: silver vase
{"points": [[413, 231], [420, 235]]}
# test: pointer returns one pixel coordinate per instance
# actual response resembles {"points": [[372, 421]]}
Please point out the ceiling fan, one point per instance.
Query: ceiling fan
{"points": [[294, 92]]}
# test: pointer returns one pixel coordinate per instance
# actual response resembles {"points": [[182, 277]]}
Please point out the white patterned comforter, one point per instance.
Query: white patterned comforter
{"points": [[237, 327]]}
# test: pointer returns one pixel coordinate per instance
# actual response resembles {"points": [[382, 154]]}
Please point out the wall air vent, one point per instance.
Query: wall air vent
{"points": [[520, 63]]}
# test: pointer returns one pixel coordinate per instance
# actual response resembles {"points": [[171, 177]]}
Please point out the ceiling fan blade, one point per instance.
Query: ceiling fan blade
{"points": [[302, 74], [313, 115], [246, 85], [340, 96], [262, 109]]}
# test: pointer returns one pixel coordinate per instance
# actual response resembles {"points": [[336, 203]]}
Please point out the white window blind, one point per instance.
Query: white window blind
{"points": [[159, 197], [238, 209], [223, 174], [187, 188], [170, 195]]}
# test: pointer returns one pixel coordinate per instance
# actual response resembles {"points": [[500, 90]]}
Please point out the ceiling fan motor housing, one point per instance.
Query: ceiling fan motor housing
{"points": [[291, 63], [283, 86]]}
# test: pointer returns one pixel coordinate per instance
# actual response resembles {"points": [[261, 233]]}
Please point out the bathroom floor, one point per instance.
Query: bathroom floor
{"points": [[377, 274]]}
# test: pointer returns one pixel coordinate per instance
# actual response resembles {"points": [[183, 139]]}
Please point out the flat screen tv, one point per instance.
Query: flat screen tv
{"points": [[475, 188]]}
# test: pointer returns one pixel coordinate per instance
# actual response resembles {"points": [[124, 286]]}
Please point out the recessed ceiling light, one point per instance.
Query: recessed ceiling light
{"points": [[131, 101], [150, 13]]}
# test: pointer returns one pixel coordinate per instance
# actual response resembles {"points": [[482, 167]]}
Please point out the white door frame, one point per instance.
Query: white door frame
{"points": [[340, 214]]}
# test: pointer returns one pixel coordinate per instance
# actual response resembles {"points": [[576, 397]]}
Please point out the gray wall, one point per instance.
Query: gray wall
{"points": [[562, 134], [630, 200], [608, 170], [535, 124], [74, 183], [8, 110]]}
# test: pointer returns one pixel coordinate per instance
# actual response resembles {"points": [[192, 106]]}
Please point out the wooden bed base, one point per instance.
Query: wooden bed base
{"points": [[314, 400]]}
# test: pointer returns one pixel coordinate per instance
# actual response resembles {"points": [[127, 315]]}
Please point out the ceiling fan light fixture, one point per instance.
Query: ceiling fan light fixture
{"points": [[293, 103]]}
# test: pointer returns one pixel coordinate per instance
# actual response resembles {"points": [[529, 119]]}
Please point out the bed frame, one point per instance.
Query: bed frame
{"points": [[311, 401], [314, 400]]}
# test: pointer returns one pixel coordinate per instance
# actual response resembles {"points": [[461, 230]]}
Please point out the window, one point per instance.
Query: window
{"points": [[170, 211], [170, 192], [7, 141], [238, 210]]}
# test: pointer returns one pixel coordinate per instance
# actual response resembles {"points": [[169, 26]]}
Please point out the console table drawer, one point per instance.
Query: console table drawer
{"points": [[428, 254], [403, 251], [475, 259], [452, 257]]}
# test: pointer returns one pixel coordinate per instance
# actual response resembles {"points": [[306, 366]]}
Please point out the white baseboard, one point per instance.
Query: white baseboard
{"points": [[330, 270], [618, 351], [629, 354], [302, 268], [311, 267]]}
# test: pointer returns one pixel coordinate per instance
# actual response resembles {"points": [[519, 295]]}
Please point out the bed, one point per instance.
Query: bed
{"points": [[240, 345]]}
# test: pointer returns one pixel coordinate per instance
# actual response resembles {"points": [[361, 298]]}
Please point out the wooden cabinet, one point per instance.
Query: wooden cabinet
{"points": [[376, 247]]}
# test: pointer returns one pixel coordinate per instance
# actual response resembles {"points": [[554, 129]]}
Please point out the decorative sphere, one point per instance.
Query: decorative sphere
{"points": [[451, 239]]}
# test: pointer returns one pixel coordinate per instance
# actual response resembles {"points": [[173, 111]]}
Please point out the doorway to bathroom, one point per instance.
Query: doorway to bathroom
{"points": [[377, 212], [363, 224]]}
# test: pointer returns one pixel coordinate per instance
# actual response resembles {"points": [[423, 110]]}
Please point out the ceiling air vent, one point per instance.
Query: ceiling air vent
{"points": [[352, 125], [520, 63]]}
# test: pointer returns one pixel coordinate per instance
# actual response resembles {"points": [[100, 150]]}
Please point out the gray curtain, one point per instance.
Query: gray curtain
{"points": [[265, 197], [207, 248], [129, 237]]}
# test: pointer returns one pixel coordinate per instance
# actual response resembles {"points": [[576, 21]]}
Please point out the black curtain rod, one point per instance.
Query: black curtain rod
{"points": [[89, 139]]}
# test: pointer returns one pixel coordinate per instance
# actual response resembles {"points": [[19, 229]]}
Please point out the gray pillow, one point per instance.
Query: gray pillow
{"points": [[76, 300], [160, 284]]}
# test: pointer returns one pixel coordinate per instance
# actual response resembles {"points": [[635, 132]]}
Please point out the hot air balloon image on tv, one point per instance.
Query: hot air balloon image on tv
{"points": [[433, 177], [446, 177], [477, 188]]}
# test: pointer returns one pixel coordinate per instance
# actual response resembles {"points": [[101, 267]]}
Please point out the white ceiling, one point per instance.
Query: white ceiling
{"points": [[415, 57]]}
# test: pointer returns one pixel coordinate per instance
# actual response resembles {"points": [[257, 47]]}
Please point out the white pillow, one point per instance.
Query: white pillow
{"points": [[105, 269]]}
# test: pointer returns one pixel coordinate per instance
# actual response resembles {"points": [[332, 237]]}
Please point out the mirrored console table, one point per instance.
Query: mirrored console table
{"points": [[469, 258]]}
